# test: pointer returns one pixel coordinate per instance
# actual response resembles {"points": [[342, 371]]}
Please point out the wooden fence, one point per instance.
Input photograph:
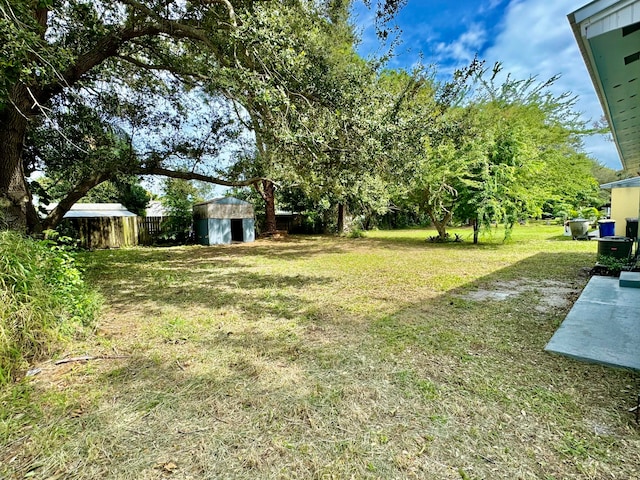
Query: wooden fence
{"points": [[149, 229]]}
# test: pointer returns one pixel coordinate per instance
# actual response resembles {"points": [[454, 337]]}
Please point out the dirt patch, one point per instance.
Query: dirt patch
{"points": [[553, 294]]}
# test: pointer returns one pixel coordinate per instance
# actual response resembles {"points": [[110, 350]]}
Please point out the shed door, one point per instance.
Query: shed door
{"points": [[237, 232]]}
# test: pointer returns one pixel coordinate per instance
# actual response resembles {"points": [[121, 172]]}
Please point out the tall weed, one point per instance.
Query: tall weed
{"points": [[43, 300]]}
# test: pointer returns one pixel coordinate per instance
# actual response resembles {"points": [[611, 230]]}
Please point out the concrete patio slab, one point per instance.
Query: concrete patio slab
{"points": [[603, 326]]}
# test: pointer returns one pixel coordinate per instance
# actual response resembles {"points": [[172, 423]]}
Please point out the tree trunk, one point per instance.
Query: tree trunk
{"points": [[57, 214], [16, 210], [269, 195], [476, 229], [367, 221], [16, 203], [441, 227], [340, 218], [440, 224]]}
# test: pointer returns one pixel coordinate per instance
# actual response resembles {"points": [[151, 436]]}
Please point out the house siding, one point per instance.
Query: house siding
{"points": [[624, 204]]}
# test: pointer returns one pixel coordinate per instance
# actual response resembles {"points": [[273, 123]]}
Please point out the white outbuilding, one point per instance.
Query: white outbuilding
{"points": [[224, 220]]}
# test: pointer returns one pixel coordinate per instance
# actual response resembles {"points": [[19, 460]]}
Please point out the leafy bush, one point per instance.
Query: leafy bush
{"points": [[590, 213], [612, 266], [178, 200], [356, 233], [43, 299]]}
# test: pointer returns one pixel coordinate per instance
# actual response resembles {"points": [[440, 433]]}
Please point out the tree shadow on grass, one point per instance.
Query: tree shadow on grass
{"points": [[410, 243], [207, 277], [292, 248], [485, 356], [469, 376], [271, 294]]}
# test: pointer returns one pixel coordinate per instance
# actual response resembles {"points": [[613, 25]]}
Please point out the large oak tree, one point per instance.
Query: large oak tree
{"points": [[129, 59]]}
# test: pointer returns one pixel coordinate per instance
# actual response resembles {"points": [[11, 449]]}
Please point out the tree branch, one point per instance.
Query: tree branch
{"points": [[79, 191], [229, 7], [197, 176], [108, 45], [170, 27], [187, 77], [260, 191], [143, 65], [104, 48]]}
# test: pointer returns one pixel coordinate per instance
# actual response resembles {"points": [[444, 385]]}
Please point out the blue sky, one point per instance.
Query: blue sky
{"points": [[529, 37]]}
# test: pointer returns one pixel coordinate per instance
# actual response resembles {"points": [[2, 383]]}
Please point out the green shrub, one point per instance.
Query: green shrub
{"points": [[356, 233], [43, 300], [613, 265]]}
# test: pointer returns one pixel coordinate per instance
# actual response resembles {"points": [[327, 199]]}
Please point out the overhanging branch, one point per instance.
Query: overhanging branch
{"points": [[108, 46], [79, 191], [186, 77], [229, 7], [197, 176]]}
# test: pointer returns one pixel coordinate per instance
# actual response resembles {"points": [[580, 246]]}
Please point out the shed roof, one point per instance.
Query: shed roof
{"points": [[626, 183], [225, 207], [93, 210], [155, 209], [225, 201]]}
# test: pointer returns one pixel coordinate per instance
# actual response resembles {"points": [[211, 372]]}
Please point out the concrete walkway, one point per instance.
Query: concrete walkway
{"points": [[603, 326]]}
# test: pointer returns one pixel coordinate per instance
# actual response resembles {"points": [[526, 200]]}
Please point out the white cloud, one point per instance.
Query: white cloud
{"points": [[490, 6], [464, 48], [535, 39]]}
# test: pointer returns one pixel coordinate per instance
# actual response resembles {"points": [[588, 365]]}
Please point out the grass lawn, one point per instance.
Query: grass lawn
{"points": [[329, 358]]}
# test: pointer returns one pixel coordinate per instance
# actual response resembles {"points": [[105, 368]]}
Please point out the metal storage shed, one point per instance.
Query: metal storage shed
{"points": [[224, 220]]}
